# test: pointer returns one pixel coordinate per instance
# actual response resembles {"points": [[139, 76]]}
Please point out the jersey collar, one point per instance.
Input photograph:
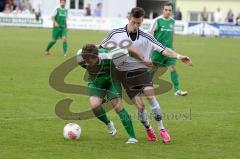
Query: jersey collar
{"points": [[129, 34]]}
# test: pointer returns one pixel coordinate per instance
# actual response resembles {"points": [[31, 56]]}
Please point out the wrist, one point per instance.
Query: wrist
{"points": [[179, 56]]}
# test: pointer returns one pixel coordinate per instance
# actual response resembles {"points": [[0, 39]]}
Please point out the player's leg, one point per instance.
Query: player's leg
{"points": [[175, 77], [114, 94], [128, 80], [156, 111], [143, 117], [125, 119], [55, 36], [65, 44], [99, 112], [155, 106], [96, 98]]}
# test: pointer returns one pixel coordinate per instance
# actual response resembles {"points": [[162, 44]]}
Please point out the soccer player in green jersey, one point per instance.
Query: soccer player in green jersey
{"points": [[103, 85], [59, 27], [163, 28]]}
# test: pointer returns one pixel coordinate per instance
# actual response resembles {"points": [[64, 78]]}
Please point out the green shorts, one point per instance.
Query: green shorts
{"points": [[58, 33], [109, 92], [160, 60]]}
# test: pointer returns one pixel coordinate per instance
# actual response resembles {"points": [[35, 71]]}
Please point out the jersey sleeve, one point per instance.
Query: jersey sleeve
{"points": [[107, 39], [54, 12], [67, 15], [173, 25], [153, 26], [79, 58], [155, 45]]}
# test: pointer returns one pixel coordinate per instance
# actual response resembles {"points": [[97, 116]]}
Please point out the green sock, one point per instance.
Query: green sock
{"points": [[65, 47], [101, 115], [174, 78], [50, 45], [127, 122]]}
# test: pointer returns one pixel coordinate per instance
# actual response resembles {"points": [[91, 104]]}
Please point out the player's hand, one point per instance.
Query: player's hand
{"points": [[148, 63], [56, 24], [187, 60]]}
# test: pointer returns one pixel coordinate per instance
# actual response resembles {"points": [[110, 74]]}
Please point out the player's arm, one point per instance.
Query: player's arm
{"points": [[108, 42], [80, 59], [55, 23], [136, 54], [169, 52], [153, 27], [66, 19], [173, 31]]}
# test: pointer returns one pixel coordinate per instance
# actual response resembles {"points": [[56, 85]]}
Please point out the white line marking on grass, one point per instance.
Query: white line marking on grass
{"points": [[29, 118]]}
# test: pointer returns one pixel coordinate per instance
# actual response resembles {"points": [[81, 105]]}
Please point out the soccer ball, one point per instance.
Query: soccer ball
{"points": [[72, 131]]}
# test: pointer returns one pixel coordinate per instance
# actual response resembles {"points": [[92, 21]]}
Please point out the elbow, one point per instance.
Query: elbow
{"points": [[165, 52]]}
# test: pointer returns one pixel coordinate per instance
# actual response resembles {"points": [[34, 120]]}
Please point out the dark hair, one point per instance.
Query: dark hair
{"points": [[167, 4], [90, 50], [137, 12]]}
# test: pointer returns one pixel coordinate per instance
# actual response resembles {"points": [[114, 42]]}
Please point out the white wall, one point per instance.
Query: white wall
{"points": [[46, 6], [111, 8], [118, 8]]}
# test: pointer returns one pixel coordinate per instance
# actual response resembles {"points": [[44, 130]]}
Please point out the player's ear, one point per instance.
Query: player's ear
{"points": [[129, 18]]}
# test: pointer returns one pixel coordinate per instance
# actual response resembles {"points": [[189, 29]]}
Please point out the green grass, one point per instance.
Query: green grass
{"points": [[29, 127]]}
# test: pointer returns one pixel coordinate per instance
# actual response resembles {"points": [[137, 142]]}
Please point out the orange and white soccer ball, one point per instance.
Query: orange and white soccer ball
{"points": [[72, 131]]}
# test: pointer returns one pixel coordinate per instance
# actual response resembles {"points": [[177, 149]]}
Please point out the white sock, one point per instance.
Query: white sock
{"points": [[143, 117], [155, 107]]}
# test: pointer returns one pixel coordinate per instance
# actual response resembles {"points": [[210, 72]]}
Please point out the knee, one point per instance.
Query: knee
{"points": [[151, 97], [94, 102], [116, 103], [172, 68], [149, 92], [64, 40], [117, 107], [140, 106]]}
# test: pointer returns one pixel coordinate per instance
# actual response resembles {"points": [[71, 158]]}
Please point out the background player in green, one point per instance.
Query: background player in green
{"points": [[102, 85], [59, 27], [163, 28]]}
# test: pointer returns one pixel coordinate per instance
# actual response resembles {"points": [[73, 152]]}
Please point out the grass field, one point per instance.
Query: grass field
{"points": [[29, 127]]}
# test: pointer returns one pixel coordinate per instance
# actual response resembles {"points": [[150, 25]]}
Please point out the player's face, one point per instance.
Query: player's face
{"points": [[167, 11], [91, 60], [62, 3], [134, 24]]}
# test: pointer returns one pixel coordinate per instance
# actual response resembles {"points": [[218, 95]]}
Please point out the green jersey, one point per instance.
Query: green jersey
{"points": [[99, 73], [163, 30], [102, 83], [60, 15]]}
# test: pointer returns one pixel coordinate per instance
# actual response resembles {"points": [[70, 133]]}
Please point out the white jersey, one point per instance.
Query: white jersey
{"points": [[145, 43]]}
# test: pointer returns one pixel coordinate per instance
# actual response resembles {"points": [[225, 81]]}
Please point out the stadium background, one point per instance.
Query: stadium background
{"points": [[112, 16]]}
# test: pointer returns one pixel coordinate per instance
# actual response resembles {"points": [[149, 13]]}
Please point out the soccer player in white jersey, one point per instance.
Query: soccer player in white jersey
{"points": [[134, 75]]}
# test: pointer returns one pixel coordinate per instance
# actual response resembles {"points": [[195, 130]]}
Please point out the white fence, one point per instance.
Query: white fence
{"points": [[106, 24]]}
